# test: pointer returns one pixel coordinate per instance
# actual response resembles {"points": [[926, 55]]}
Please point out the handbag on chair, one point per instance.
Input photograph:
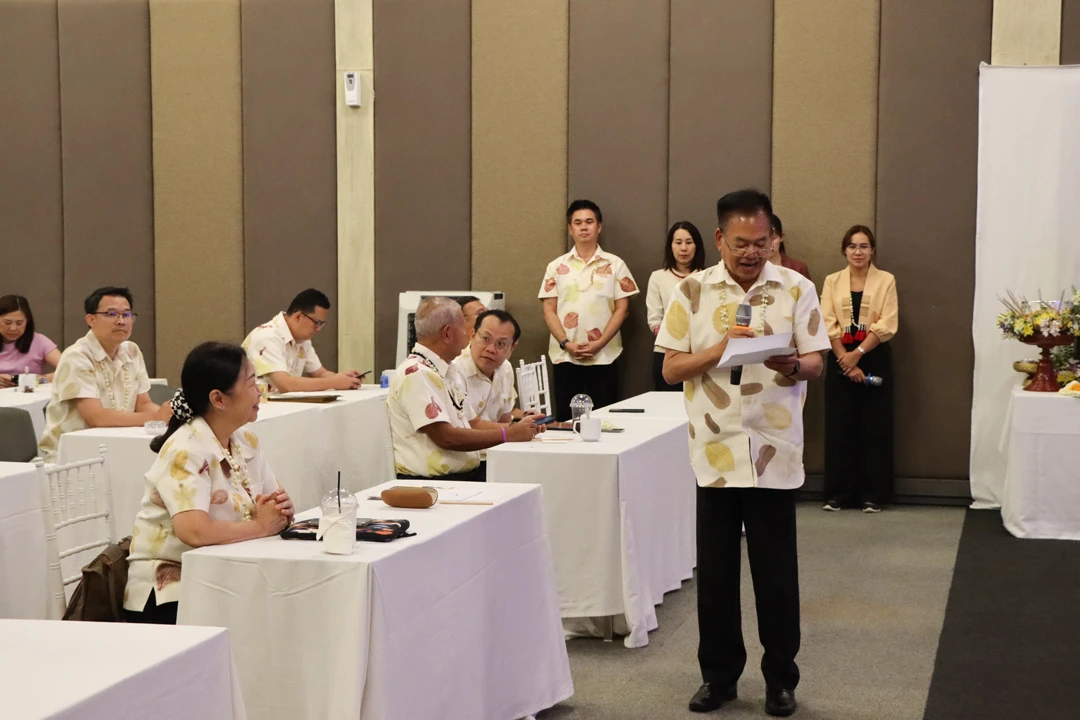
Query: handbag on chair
{"points": [[99, 596]]}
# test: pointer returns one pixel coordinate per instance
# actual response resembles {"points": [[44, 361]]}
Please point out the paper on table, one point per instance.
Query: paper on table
{"points": [[751, 351], [456, 495]]}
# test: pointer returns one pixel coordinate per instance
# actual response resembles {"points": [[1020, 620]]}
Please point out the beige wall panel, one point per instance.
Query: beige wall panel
{"points": [[1026, 32], [1070, 32], [927, 190], [31, 235], [519, 67], [423, 156], [720, 134], [618, 146], [824, 141], [198, 176], [290, 159], [355, 189], [107, 159]]}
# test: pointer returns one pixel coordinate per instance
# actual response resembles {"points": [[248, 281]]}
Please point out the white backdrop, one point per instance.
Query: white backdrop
{"points": [[1027, 234]]}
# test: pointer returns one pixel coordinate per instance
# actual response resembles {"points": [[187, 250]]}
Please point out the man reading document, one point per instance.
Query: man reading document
{"points": [[746, 445]]}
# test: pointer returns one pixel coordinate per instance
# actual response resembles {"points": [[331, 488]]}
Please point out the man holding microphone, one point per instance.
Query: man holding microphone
{"points": [[746, 443]]}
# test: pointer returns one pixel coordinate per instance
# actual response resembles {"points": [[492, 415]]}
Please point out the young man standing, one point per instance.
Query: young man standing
{"points": [[101, 380], [586, 295]]}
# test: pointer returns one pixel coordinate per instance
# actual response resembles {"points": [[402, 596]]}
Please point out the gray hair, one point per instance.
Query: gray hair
{"points": [[433, 314]]}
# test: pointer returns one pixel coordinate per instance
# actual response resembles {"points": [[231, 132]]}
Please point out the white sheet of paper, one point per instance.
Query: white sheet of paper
{"points": [[751, 351], [457, 495]]}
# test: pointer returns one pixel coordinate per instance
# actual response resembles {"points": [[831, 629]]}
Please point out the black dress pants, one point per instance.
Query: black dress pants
{"points": [[154, 614], [859, 432], [599, 382], [477, 474], [769, 516], [659, 383]]}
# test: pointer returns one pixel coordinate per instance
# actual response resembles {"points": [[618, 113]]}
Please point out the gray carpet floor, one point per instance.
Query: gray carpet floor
{"points": [[874, 590]]}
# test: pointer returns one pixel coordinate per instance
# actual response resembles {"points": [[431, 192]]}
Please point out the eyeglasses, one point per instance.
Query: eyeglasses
{"points": [[318, 323], [114, 315], [502, 345], [865, 247], [755, 248]]}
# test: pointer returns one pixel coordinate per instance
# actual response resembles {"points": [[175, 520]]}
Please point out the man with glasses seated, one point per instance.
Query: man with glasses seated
{"points": [[101, 380], [282, 353], [487, 372]]}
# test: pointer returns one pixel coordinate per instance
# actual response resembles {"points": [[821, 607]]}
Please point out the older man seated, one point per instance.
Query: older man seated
{"points": [[282, 353], [431, 433], [101, 380], [487, 372]]}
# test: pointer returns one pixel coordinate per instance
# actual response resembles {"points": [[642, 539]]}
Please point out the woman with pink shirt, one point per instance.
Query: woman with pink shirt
{"points": [[20, 347]]}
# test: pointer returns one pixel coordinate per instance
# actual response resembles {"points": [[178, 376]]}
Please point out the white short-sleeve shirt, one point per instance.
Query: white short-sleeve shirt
{"points": [[188, 475], [487, 398], [750, 435], [426, 390], [586, 293], [86, 371], [272, 348]]}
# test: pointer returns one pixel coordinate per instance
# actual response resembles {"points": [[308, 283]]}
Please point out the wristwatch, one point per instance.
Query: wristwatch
{"points": [[861, 351], [796, 372], [562, 345]]}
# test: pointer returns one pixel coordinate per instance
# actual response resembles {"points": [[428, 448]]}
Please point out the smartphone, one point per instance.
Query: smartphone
{"points": [[546, 420], [626, 410], [364, 374]]}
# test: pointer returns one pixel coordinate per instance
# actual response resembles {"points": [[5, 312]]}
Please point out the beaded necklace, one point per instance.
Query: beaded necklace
{"points": [[125, 380], [428, 362], [238, 474], [759, 328]]}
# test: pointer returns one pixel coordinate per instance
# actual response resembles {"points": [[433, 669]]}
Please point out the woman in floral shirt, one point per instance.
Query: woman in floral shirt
{"points": [[210, 484]]}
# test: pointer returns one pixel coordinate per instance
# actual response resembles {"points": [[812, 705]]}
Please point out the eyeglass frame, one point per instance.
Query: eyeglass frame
{"points": [[491, 341], [753, 247], [115, 316], [319, 324]]}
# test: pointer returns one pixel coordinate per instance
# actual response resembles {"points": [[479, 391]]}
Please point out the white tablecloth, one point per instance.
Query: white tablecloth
{"points": [[460, 621], [655, 404], [306, 445], [22, 544], [33, 403], [620, 513], [1042, 478], [115, 671]]}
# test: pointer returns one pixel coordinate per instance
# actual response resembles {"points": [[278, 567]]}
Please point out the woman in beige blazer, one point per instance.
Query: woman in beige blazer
{"points": [[860, 311]]}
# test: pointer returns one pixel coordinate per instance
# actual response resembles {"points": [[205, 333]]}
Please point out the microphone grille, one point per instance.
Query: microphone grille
{"points": [[743, 313]]}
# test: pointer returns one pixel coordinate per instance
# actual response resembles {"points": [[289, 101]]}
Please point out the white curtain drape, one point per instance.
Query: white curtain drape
{"points": [[1027, 235]]}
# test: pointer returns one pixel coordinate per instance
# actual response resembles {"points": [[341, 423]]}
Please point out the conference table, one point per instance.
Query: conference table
{"points": [[33, 403], [655, 404], [459, 621], [306, 444], [22, 543], [1042, 495], [115, 671], [620, 513]]}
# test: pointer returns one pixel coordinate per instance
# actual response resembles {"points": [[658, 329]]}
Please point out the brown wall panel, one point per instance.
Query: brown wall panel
{"points": [[31, 205], [290, 166], [107, 158], [720, 128], [198, 176], [927, 189], [519, 121], [422, 157], [1070, 32], [618, 146]]}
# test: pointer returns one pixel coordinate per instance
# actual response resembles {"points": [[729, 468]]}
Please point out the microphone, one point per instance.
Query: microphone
{"points": [[870, 380], [742, 319]]}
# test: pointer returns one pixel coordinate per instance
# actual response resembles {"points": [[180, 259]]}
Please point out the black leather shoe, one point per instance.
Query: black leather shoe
{"points": [[708, 697], [780, 702]]}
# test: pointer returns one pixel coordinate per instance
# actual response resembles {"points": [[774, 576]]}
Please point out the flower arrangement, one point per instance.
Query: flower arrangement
{"points": [[1023, 319]]}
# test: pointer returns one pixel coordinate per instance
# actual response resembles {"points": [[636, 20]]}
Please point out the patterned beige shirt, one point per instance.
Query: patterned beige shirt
{"points": [[188, 475], [86, 371], [487, 398], [272, 348], [587, 292], [426, 390], [749, 435]]}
